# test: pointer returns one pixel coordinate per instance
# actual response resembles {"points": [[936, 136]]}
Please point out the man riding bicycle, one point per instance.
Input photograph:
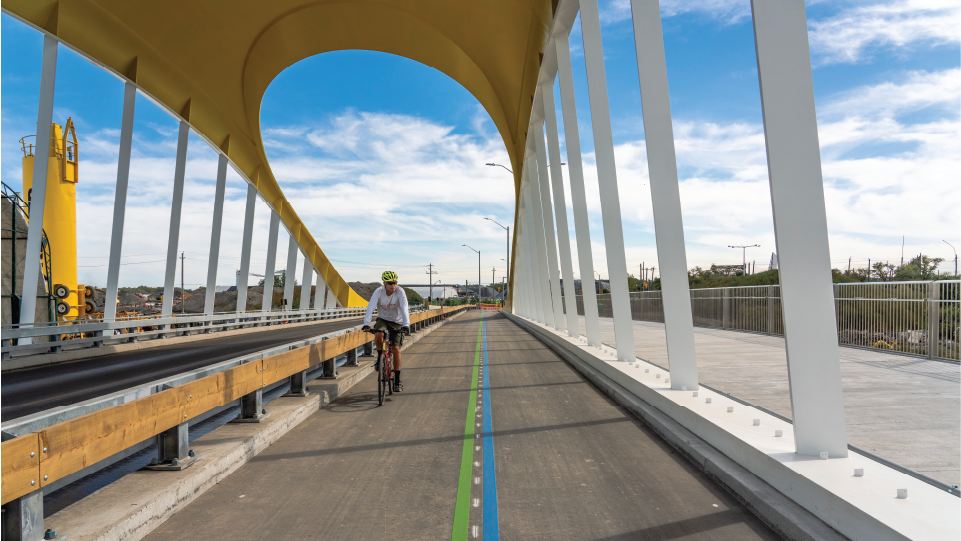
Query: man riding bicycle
{"points": [[392, 314]]}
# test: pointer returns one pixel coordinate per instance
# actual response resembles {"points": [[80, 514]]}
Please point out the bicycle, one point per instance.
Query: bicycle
{"points": [[385, 368]]}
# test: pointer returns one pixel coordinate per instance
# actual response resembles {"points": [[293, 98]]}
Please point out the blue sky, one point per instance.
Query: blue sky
{"points": [[383, 157]]}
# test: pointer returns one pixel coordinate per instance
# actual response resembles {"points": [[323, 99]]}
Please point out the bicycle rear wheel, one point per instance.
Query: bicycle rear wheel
{"points": [[381, 377]]}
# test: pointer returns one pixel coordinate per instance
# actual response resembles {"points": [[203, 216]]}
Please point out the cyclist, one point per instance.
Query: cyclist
{"points": [[392, 313]]}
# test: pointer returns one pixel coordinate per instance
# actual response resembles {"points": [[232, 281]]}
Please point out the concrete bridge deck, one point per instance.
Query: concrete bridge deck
{"points": [[903, 408], [491, 430]]}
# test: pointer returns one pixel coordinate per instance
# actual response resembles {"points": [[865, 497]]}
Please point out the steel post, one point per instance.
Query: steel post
{"points": [[176, 208], [173, 444], [37, 199], [251, 407], [298, 384], [560, 210], [934, 302], [800, 226], [352, 357], [271, 261], [245, 249], [607, 180], [541, 184], [306, 282], [215, 230], [120, 201], [575, 167], [292, 250], [665, 193], [23, 517]]}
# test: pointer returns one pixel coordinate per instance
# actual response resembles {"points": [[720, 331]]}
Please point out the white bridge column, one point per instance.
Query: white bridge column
{"points": [[800, 226], [271, 261], [215, 229], [38, 198], [530, 251], [560, 209], [665, 195], [331, 298], [538, 243], [607, 180], [320, 294], [305, 283], [120, 201], [292, 250], [176, 208], [522, 257], [542, 184], [582, 228], [244, 278]]}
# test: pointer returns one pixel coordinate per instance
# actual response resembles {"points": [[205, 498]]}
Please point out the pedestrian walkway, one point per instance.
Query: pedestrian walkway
{"points": [[494, 437], [905, 409]]}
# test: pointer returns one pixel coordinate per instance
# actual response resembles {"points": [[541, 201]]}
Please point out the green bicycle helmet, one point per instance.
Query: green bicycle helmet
{"points": [[389, 276]]}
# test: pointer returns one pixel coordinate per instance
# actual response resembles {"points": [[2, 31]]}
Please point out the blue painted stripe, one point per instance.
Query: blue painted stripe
{"points": [[491, 526]]}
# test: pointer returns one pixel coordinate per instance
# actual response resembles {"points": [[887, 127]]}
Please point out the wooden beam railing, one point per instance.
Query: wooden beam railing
{"points": [[35, 460]]}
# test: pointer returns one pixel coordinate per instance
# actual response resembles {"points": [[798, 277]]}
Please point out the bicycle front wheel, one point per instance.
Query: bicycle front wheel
{"points": [[381, 378]]}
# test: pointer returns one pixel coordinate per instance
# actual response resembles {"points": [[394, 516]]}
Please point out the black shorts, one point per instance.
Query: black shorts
{"points": [[384, 325]]}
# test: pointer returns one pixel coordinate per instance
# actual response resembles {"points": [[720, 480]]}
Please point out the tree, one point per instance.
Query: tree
{"points": [[280, 280], [921, 267]]}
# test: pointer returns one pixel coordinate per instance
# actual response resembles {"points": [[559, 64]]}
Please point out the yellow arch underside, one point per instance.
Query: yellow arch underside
{"points": [[210, 63]]}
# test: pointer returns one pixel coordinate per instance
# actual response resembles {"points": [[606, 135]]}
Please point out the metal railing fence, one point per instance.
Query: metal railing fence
{"points": [[915, 318], [67, 335]]}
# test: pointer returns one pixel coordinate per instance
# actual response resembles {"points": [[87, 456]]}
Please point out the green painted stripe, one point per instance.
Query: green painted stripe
{"points": [[459, 531]]}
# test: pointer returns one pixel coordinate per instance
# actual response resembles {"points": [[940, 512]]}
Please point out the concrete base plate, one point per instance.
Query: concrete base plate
{"points": [[298, 395], [257, 419], [166, 466]]}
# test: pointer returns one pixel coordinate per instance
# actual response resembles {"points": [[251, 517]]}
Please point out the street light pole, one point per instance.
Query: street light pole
{"points": [[744, 254], [478, 277], [955, 256], [508, 229]]}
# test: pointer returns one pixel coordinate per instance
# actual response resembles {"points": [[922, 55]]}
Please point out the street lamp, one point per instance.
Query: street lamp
{"points": [[955, 256], [478, 276], [744, 253], [499, 165], [508, 229]]}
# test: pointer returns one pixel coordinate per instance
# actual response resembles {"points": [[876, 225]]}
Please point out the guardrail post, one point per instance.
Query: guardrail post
{"points": [[330, 368], [934, 298], [770, 310], [252, 408], [98, 343], [298, 384], [351, 358], [23, 517], [173, 450], [725, 308], [369, 349]]}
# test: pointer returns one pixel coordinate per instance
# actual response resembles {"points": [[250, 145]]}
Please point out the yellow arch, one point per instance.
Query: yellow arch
{"points": [[211, 62]]}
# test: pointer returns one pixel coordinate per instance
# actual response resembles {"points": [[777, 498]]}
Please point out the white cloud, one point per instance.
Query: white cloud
{"points": [[728, 11], [854, 33]]}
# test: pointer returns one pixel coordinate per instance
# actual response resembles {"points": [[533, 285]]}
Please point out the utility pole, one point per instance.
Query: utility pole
{"points": [[492, 275], [430, 278], [183, 300], [744, 253]]}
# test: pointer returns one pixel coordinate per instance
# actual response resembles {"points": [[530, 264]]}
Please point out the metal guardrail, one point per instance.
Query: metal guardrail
{"points": [[57, 448], [97, 333], [914, 318]]}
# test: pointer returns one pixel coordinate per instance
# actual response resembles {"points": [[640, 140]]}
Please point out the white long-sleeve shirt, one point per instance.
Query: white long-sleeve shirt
{"points": [[389, 307]]}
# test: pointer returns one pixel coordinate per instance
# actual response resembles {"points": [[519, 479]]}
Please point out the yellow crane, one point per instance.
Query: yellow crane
{"points": [[60, 217]]}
